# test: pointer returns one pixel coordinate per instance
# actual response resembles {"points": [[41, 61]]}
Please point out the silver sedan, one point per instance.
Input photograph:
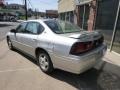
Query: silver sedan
{"points": [[58, 44]]}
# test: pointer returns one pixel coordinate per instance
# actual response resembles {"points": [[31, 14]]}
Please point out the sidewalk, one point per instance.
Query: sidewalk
{"points": [[112, 57], [109, 76], [112, 64]]}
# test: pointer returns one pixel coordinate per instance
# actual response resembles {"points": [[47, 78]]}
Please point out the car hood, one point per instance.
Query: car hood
{"points": [[84, 35]]}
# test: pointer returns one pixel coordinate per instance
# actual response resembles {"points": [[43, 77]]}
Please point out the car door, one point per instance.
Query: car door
{"points": [[30, 38], [16, 37]]}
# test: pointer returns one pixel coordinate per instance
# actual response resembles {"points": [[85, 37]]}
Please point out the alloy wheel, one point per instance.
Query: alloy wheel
{"points": [[43, 61]]}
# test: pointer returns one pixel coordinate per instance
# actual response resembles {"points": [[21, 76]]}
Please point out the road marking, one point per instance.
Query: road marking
{"points": [[24, 69]]}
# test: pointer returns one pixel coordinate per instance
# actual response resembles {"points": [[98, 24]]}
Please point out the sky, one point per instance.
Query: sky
{"points": [[40, 5]]}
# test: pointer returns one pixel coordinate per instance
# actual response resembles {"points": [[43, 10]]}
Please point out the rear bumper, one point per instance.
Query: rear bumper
{"points": [[79, 64], [89, 60]]}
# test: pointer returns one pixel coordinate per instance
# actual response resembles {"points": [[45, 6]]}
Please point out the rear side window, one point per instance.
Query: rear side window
{"points": [[34, 28], [54, 26]]}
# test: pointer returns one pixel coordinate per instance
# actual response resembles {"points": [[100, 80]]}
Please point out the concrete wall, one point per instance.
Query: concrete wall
{"points": [[66, 5]]}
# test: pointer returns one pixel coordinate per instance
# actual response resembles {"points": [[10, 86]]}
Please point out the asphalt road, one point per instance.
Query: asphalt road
{"points": [[20, 72], [5, 27]]}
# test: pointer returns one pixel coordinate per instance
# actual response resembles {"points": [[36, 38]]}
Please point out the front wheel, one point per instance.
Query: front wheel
{"points": [[44, 62], [9, 44]]}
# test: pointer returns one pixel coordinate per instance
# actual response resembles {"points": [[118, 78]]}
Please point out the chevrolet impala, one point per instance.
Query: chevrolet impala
{"points": [[58, 44]]}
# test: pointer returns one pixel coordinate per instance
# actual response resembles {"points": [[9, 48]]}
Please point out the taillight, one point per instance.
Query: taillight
{"points": [[81, 47]]}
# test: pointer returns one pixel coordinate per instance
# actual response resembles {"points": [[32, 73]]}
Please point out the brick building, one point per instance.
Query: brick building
{"points": [[51, 14], [94, 15]]}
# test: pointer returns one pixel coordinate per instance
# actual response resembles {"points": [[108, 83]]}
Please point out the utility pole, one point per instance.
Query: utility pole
{"points": [[115, 25], [26, 14], [35, 13]]}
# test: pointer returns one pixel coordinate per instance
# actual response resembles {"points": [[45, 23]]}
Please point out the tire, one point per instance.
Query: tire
{"points": [[9, 44], [44, 62]]}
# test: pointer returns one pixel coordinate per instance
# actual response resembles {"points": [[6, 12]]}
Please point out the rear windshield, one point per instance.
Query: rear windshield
{"points": [[61, 27]]}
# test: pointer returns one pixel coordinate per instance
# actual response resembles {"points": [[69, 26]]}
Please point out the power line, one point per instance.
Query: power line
{"points": [[30, 4], [23, 1]]}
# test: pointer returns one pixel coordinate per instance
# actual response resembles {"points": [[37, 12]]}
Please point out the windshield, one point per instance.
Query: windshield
{"points": [[61, 27]]}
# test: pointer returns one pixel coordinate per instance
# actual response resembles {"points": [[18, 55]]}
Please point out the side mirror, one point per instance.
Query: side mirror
{"points": [[13, 30]]}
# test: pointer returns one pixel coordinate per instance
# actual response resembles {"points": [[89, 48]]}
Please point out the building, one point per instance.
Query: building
{"points": [[66, 10], [80, 12], [108, 23], [39, 14], [8, 10], [15, 8], [51, 14], [94, 15], [42, 14]]}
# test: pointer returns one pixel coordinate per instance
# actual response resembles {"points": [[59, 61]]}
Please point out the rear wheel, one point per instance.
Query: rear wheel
{"points": [[44, 62], [9, 44]]}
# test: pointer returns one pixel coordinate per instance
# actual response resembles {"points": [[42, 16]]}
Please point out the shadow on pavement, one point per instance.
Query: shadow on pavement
{"points": [[5, 25], [93, 79], [84, 81], [26, 56]]}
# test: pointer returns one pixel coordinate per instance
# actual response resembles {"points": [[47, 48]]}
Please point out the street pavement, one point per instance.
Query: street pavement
{"points": [[20, 72], [5, 27]]}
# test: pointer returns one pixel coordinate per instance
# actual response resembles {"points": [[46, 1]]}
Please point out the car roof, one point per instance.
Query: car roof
{"points": [[39, 20]]}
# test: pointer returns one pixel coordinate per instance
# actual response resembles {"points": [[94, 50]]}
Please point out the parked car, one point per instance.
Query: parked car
{"points": [[58, 44]]}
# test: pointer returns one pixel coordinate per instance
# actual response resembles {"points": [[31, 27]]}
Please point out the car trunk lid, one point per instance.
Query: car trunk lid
{"points": [[84, 35]]}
